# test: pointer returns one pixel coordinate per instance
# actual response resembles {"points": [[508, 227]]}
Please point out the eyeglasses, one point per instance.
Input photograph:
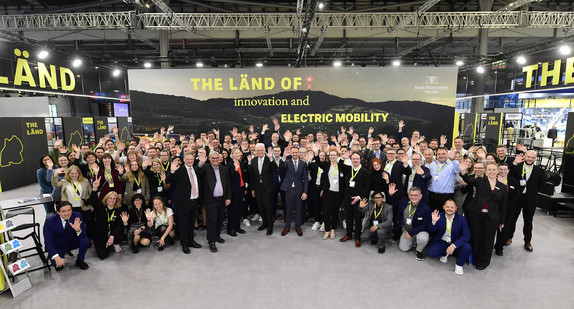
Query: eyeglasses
{"points": [[378, 198]]}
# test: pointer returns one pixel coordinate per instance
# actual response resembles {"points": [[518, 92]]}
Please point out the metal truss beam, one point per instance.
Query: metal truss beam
{"points": [[425, 7], [283, 21]]}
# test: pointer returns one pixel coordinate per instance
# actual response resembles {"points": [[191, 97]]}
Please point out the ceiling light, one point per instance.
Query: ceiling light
{"points": [[396, 63], [321, 5], [43, 54], [199, 64], [147, 64], [459, 63], [259, 64], [76, 63], [480, 69], [337, 63], [565, 50], [521, 60], [116, 72]]}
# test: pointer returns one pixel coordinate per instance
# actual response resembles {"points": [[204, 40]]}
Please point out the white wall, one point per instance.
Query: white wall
{"points": [[24, 107]]}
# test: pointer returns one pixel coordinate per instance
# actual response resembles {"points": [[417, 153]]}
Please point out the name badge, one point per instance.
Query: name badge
{"points": [[335, 181], [435, 178], [352, 183], [160, 189], [446, 238], [523, 182], [139, 190], [409, 221], [77, 198], [318, 182], [341, 175], [111, 185], [375, 222]]}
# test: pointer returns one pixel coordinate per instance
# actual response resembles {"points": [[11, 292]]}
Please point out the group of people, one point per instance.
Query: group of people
{"points": [[411, 190]]}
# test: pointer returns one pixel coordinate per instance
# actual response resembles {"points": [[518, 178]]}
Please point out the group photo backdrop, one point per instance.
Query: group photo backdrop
{"points": [[195, 100]]}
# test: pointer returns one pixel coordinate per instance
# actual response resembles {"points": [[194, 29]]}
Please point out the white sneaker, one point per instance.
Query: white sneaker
{"points": [[322, 229], [118, 248], [260, 219], [458, 270], [255, 217], [246, 222], [316, 225], [444, 259]]}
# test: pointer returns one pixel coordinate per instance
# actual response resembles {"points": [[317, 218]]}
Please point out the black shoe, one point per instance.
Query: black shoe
{"points": [[397, 236], [240, 231], [261, 228], [82, 265], [373, 241], [232, 234], [420, 256], [135, 249], [185, 250], [498, 252], [480, 267], [194, 244], [221, 240], [381, 250], [212, 247], [59, 268], [70, 253], [269, 231], [160, 248]]}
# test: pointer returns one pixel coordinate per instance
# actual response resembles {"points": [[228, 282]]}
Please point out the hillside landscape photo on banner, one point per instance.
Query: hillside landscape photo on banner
{"points": [[195, 100]]}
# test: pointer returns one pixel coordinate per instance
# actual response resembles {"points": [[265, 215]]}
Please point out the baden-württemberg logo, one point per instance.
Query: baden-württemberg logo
{"points": [[432, 80]]}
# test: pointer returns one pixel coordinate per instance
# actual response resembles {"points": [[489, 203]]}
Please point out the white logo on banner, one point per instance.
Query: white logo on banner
{"points": [[432, 80], [431, 85]]}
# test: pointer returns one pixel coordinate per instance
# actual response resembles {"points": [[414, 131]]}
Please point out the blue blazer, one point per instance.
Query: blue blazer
{"points": [[300, 178], [56, 239], [459, 233], [421, 218]]}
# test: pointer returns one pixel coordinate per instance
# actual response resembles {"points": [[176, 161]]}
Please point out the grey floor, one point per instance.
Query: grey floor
{"points": [[256, 271]]}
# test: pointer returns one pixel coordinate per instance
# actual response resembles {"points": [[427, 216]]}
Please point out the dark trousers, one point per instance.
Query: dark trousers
{"points": [[437, 200], [438, 249], [528, 209], [265, 204], [482, 232], [214, 210], [186, 215], [353, 218], [249, 205], [81, 243], [89, 222], [275, 202], [293, 200], [331, 203], [502, 236], [234, 211], [100, 241], [314, 203]]}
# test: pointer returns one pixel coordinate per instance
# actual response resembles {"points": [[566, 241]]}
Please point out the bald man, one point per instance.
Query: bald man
{"points": [[531, 179]]}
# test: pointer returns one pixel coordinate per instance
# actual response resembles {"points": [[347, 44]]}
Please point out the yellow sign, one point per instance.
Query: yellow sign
{"points": [[548, 103], [554, 72], [87, 120]]}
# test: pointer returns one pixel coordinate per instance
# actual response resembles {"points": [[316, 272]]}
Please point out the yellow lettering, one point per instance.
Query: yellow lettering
{"points": [[218, 84], [529, 69], [569, 74], [194, 81], [297, 81], [269, 83], [284, 118], [44, 75], [23, 73], [231, 86], [555, 73], [64, 80]]}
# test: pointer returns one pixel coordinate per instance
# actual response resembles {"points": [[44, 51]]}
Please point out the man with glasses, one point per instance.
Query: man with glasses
{"points": [[375, 152], [377, 221]]}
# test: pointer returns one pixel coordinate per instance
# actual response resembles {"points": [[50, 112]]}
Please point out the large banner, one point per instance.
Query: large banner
{"points": [[311, 99], [22, 143]]}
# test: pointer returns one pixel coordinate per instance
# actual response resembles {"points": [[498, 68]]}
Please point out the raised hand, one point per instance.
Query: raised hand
{"points": [[521, 147], [351, 130], [121, 146], [315, 148], [233, 131], [463, 166], [125, 217], [419, 170], [162, 131], [435, 216], [298, 131], [162, 175], [310, 156], [276, 123], [181, 137], [59, 142], [384, 138], [385, 176], [216, 131], [265, 128], [342, 129], [413, 141], [287, 135], [249, 158], [347, 155], [146, 162], [243, 135], [363, 203], [115, 131], [251, 129], [333, 139], [392, 188], [77, 225], [422, 138], [148, 214], [50, 164], [170, 129], [202, 159], [443, 140], [76, 148], [371, 130], [519, 159], [96, 168], [401, 125], [63, 149], [120, 169]]}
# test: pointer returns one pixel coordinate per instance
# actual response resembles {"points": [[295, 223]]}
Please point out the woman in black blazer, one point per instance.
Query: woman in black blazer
{"points": [[314, 192], [332, 188], [486, 212], [238, 176]]}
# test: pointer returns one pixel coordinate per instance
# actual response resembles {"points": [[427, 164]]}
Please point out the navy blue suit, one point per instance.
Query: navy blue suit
{"points": [[422, 182], [59, 240], [421, 218], [459, 235], [294, 185]]}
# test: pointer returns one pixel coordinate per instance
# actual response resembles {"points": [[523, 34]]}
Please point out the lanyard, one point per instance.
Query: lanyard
{"points": [[166, 167], [335, 170], [449, 226], [438, 170], [375, 211], [413, 212], [137, 180], [389, 165], [158, 178], [524, 171], [354, 173], [91, 170], [109, 176], [139, 213], [110, 218], [163, 220], [75, 188]]}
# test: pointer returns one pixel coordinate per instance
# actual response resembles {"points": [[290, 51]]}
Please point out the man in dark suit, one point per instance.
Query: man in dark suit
{"points": [[216, 188], [396, 169], [186, 197], [375, 152], [295, 185], [502, 154], [64, 232], [531, 178], [357, 184], [420, 177], [452, 236], [262, 186]]}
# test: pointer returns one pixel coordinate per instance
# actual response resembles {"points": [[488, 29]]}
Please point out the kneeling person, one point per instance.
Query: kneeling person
{"points": [[64, 232], [452, 236], [378, 220]]}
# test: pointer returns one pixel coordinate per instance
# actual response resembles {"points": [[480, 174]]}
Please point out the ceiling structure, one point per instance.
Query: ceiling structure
{"points": [[237, 33]]}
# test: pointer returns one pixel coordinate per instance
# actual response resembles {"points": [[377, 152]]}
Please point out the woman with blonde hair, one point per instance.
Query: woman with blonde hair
{"points": [[332, 186], [108, 227], [162, 217], [156, 178], [135, 181]]}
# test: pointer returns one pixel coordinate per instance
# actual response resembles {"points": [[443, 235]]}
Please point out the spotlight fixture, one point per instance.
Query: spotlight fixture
{"points": [[77, 62], [43, 54], [459, 63], [480, 69], [337, 63], [321, 5], [259, 64], [396, 63], [521, 60], [199, 64], [116, 72], [565, 50], [147, 64]]}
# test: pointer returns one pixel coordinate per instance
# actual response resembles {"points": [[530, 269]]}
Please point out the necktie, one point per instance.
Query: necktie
{"points": [[295, 164], [67, 226], [260, 165], [193, 185]]}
